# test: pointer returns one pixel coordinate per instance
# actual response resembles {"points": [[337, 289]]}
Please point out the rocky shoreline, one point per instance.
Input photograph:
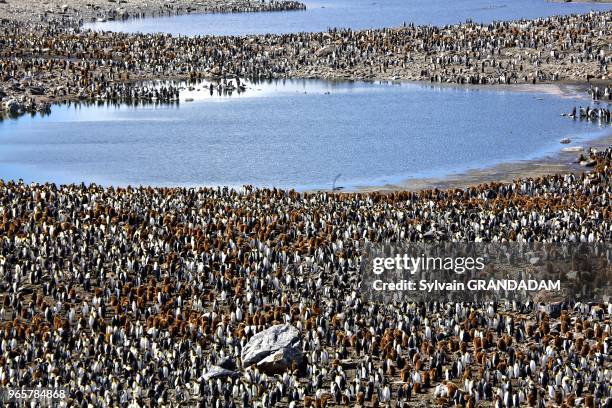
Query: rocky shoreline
{"points": [[74, 13], [46, 62]]}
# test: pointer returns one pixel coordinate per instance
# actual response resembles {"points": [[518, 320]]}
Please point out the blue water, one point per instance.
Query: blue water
{"points": [[293, 134], [356, 14]]}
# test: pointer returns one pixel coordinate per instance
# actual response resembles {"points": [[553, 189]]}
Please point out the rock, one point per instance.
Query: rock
{"points": [[37, 90], [218, 372], [122, 13], [554, 309], [280, 361], [227, 363], [325, 51], [588, 163], [43, 107], [12, 106], [348, 364], [565, 140], [281, 337]]}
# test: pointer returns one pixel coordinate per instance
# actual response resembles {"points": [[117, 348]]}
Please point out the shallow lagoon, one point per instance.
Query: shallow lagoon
{"points": [[294, 134], [356, 14]]}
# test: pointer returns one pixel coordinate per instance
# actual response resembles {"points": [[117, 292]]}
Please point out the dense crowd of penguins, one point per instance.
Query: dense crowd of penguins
{"points": [[601, 115], [128, 296], [600, 93], [53, 62]]}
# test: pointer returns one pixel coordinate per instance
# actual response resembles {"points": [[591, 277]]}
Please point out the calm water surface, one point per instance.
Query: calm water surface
{"points": [[356, 14], [293, 134]]}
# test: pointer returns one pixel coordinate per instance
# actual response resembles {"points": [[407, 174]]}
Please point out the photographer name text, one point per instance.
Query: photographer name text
{"points": [[424, 285]]}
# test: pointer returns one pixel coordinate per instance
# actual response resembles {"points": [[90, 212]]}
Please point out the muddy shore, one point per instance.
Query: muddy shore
{"points": [[562, 162]]}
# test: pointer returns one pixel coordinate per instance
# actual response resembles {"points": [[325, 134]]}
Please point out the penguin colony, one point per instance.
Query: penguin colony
{"points": [[52, 61], [130, 296]]}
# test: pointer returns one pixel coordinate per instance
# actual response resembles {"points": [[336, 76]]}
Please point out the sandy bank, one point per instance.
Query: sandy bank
{"points": [[580, 1], [560, 163]]}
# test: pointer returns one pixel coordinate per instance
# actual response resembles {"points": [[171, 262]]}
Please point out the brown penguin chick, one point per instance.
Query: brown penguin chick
{"points": [[584, 352], [489, 339], [501, 344], [405, 374], [477, 344], [532, 399], [451, 387], [558, 397], [433, 375], [598, 331], [441, 401], [570, 401], [309, 402], [418, 364], [579, 343], [564, 327], [578, 327]]}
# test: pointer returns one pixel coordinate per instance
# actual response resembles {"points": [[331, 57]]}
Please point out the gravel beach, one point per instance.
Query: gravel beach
{"points": [[75, 12]]}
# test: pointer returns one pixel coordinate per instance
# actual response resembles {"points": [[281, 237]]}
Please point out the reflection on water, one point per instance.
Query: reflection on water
{"points": [[356, 14], [291, 133]]}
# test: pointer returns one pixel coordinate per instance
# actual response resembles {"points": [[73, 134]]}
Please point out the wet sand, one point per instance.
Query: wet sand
{"points": [[561, 163], [580, 1]]}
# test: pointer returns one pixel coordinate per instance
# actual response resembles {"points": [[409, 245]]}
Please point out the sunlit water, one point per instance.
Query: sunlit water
{"points": [[293, 134], [356, 14]]}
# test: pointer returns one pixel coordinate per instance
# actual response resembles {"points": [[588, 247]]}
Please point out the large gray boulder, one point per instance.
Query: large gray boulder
{"points": [[12, 106], [274, 349], [280, 361]]}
